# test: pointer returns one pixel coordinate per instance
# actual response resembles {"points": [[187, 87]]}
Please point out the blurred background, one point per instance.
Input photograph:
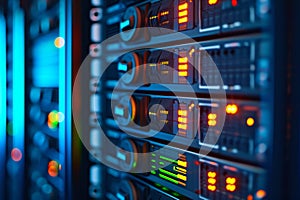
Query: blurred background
{"points": [[254, 45]]}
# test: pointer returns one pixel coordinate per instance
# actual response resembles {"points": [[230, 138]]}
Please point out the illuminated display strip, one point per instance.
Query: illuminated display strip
{"points": [[178, 176], [212, 119], [183, 67], [2, 100], [171, 180], [182, 120], [183, 13], [18, 100], [211, 181]]}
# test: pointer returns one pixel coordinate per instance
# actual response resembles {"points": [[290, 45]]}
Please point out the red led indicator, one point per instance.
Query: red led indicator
{"points": [[234, 3], [16, 154], [53, 168]]}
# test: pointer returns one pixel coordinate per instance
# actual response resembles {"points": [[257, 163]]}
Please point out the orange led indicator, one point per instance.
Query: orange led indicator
{"points": [[231, 109], [261, 194], [212, 2], [53, 168], [250, 121], [249, 197], [59, 42]]}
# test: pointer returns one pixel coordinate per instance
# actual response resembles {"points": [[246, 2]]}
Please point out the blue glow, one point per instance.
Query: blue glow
{"points": [[62, 84], [46, 61], [18, 80], [68, 94], [2, 99], [45, 76]]}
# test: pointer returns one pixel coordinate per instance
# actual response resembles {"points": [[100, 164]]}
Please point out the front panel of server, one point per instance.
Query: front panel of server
{"points": [[174, 99], [149, 99]]}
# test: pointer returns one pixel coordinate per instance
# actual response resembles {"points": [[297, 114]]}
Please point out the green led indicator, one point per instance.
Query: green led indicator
{"points": [[153, 160], [134, 164], [168, 173], [168, 179], [153, 172], [168, 159], [175, 194]]}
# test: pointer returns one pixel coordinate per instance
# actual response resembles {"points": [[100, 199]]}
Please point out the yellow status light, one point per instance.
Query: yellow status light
{"points": [[182, 163], [182, 112], [230, 180], [212, 122], [212, 174], [182, 20], [183, 60], [212, 116], [250, 121], [182, 126], [230, 188], [183, 6], [183, 13], [211, 188], [183, 73], [164, 13], [183, 67], [182, 120], [212, 2], [182, 177], [231, 109], [212, 181]]}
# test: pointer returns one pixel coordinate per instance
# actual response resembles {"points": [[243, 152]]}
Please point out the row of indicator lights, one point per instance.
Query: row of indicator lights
{"points": [[231, 109], [234, 3], [182, 120], [183, 13], [183, 66], [230, 182], [211, 181], [230, 185]]}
